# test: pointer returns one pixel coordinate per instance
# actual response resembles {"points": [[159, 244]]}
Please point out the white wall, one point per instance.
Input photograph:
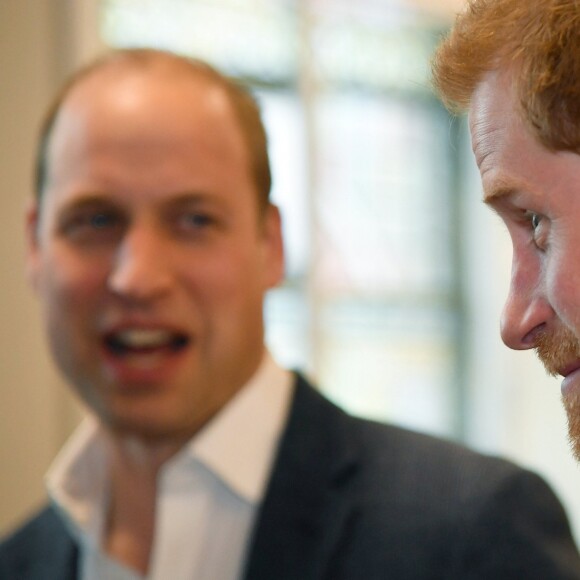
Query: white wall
{"points": [[29, 425], [37, 47]]}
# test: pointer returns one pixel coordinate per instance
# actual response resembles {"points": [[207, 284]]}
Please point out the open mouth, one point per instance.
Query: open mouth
{"points": [[144, 341]]}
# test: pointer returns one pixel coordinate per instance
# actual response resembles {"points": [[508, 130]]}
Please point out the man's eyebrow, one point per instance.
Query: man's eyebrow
{"points": [[192, 199], [497, 193], [89, 200], [186, 197]]}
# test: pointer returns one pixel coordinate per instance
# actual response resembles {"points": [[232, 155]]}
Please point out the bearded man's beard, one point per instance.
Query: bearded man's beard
{"points": [[557, 350], [572, 406]]}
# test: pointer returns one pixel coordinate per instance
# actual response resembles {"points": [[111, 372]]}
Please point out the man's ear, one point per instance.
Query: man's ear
{"points": [[274, 246], [31, 227]]}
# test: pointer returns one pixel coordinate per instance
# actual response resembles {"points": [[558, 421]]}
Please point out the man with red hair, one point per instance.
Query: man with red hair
{"points": [[515, 68]]}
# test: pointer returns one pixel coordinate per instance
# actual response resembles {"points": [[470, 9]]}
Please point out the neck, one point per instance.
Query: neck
{"points": [[135, 466]]}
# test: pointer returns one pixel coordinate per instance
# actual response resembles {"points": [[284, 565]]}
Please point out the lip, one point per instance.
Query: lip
{"points": [[140, 324], [145, 368], [570, 372], [569, 368]]}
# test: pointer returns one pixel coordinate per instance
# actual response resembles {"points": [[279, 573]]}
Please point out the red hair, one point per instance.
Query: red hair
{"points": [[539, 40]]}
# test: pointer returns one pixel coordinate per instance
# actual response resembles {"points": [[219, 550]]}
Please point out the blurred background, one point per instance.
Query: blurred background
{"points": [[396, 272]]}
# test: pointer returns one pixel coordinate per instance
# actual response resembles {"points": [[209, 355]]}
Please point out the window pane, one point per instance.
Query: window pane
{"points": [[370, 43], [382, 201], [383, 360], [284, 119], [249, 38]]}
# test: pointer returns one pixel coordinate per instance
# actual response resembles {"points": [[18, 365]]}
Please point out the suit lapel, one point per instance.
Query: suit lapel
{"points": [[305, 508]]}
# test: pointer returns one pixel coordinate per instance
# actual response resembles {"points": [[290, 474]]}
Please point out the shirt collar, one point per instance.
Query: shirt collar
{"points": [[77, 483], [239, 444]]}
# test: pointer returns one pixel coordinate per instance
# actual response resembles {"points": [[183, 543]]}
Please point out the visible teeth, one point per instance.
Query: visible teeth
{"points": [[144, 338]]}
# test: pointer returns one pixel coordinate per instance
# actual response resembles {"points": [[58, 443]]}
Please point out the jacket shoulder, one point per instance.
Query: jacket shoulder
{"points": [[407, 459], [426, 507], [41, 548]]}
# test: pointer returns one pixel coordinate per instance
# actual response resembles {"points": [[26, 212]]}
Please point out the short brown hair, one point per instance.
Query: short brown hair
{"points": [[245, 107], [539, 40]]}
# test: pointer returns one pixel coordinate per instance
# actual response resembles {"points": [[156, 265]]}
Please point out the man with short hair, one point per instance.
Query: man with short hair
{"points": [[515, 67], [151, 243]]}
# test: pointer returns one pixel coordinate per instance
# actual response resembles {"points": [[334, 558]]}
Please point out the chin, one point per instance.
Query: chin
{"points": [[146, 430]]}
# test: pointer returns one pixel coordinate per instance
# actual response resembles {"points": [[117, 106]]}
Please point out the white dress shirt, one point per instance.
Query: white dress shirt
{"points": [[208, 494]]}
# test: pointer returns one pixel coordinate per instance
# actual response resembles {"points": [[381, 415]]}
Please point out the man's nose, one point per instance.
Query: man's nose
{"points": [[140, 270], [526, 311]]}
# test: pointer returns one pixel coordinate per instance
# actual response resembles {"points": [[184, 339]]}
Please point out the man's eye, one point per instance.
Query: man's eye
{"points": [[101, 220], [195, 220], [87, 225], [94, 221], [534, 219], [539, 226]]}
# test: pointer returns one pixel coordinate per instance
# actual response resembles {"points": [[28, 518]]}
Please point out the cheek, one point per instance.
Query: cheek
{"points": [[230, 276], [70, 296], [66, 285], [526, 269], [563, 285], [228, 295]]}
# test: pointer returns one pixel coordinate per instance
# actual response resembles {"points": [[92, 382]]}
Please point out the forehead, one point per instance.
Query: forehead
{"points": [[139, 110], [492, 116], [150, 133], [144, 98], [514, 165], [502, 144]]}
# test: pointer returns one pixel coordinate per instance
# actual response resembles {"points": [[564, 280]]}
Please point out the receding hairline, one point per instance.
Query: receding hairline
{"points": [[148, 60], [129, 63], [244, 108]]}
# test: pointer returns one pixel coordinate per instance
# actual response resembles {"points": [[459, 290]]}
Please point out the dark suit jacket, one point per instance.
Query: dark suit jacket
{"points": [[355, 500]]}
